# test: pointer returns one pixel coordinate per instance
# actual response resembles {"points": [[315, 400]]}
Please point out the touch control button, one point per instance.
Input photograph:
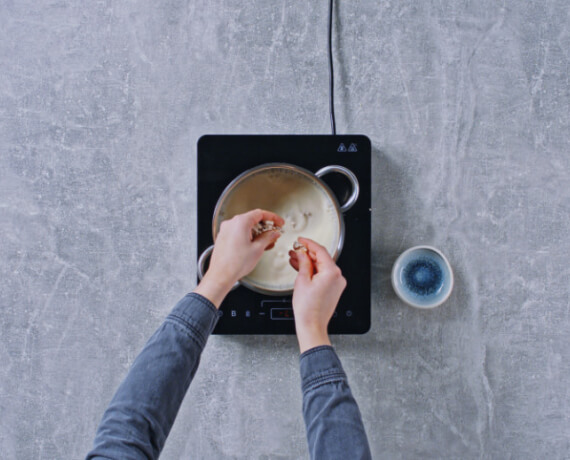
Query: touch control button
{"points": [[282, 313], [277, 303]]}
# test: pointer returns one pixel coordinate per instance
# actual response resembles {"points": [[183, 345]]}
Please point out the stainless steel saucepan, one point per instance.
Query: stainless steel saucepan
{"points": [[272, 170]]}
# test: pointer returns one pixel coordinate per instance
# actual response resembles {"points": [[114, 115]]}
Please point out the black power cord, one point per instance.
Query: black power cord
{"points": [[331, 73]]}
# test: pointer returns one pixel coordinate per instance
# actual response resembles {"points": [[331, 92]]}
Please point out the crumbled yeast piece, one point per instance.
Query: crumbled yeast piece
{"points": [[298, 246], [265, 226]]}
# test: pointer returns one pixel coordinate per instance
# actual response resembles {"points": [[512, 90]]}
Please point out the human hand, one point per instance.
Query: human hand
{"points": [[236, 252], [318, 287]]}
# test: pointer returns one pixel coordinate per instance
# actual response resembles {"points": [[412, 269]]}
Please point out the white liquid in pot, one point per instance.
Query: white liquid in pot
{"points": [[307, 209]]}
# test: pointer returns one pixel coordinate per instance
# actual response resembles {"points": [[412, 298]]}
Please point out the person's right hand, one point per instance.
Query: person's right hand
{"points": [[318, 287]]}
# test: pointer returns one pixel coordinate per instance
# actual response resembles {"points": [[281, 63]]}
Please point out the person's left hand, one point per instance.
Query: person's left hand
{"points": [[236, 252]]}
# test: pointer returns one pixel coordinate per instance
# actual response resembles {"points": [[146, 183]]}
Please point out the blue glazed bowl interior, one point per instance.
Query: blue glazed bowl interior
{"points": [[422, 277]]}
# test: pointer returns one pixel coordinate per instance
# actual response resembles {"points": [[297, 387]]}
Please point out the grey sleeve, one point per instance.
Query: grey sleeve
{"points": [[142, 412], [332, 418]]}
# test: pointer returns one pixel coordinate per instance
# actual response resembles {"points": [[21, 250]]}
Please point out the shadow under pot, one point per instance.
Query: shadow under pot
{"points": [[308, 206]]}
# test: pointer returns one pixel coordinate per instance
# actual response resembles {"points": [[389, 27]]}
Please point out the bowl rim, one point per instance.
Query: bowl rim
{"points": [[396, 285]]}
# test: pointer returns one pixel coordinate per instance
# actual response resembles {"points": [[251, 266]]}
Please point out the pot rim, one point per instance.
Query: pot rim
{"points": [[278, 165]]}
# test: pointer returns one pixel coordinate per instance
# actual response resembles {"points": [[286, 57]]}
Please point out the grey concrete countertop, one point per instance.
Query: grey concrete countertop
{"points": [[467, 105]]}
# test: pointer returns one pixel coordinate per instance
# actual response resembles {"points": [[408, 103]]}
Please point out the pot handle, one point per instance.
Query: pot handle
{"points": [[350, 176], [202, 262]]}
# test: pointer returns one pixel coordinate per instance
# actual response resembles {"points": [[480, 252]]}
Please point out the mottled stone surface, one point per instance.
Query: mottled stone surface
{"points": [[467, 105]]}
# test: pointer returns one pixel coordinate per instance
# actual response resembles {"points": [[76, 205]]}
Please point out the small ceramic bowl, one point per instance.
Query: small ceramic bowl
{"points": [[422, 277]]}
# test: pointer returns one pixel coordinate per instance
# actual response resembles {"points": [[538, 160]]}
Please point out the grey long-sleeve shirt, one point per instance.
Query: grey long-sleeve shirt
{"points": [[142, 412]]}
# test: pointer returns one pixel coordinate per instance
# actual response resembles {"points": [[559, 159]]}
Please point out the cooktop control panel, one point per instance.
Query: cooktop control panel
{"points": [[221, 158]]}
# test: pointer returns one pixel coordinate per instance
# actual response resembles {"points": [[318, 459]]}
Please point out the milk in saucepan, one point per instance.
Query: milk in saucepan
{"points": [[308, 211]]}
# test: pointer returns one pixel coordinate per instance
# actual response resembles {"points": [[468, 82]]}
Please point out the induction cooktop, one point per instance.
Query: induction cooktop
{"points": [[221, 158]]}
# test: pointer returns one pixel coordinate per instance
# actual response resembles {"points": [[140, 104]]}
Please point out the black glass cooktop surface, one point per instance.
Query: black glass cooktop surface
{"points": [[221, 158]]}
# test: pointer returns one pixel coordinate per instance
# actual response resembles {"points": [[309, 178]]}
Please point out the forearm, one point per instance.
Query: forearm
{"points": [[214, 288], [144, 408], [332, 418], [311, 337]]}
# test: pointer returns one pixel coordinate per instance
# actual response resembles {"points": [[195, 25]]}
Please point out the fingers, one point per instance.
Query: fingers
{"points": [[315, 247], [321, 256], [294, 260], [267, 239], [305, 265], [258, 215]]}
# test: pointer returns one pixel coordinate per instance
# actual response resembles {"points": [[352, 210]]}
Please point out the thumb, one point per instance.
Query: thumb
{"points": [[305, 265]]}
